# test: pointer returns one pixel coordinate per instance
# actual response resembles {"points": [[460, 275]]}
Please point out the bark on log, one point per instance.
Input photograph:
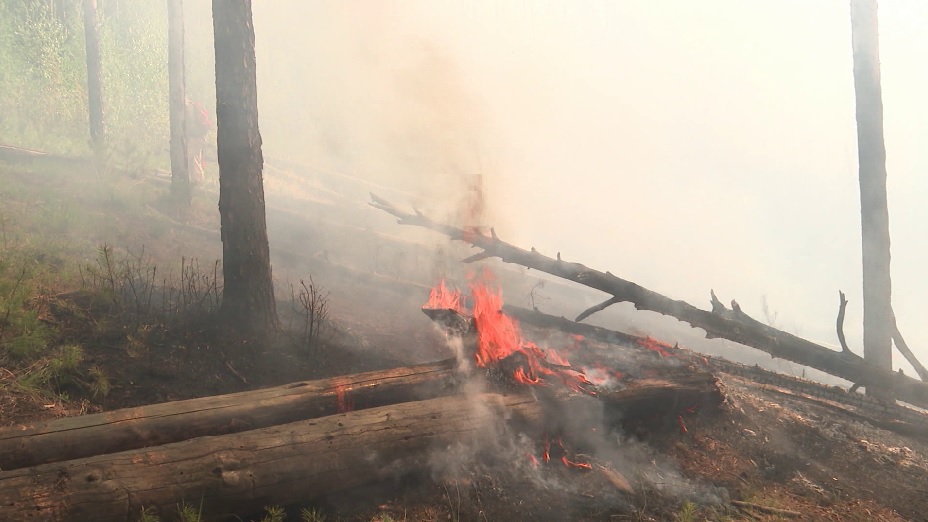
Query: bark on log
{"points": [[282, 464], [131, 428], [721, 322]]}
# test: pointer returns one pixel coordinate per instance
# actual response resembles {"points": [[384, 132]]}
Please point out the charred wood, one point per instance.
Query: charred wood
{"points": [[889, 416]]}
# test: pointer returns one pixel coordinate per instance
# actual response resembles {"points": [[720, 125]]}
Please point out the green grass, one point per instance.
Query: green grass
{"points": [[312, 515]]}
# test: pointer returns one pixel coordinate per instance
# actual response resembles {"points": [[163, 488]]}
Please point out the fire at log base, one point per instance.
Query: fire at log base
{"points": [[292, 462], [668, 394]]}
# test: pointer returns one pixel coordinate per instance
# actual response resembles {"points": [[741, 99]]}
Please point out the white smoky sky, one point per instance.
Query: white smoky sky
{"points": [[682, 145]]}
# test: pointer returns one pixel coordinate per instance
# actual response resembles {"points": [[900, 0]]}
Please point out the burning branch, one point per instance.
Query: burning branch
{"points": [[720, 322]]}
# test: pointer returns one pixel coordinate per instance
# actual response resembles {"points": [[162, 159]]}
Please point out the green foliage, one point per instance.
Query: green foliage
{"points": [[134, 55], [99, 384], [23, 336], [687, 512], [312, 515], [61, 370], [189, 513], [149, 515], [274, 514], [43, 78]]}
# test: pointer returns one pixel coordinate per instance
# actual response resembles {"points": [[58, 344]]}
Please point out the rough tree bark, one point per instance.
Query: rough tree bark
{"points": [[248, 293], [293, 462], [94, 77], [874, 213], [180, 175], [131, 428], [732, 324]]}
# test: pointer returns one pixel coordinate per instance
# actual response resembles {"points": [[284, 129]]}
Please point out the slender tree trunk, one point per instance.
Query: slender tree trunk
{"points": [[248, 294], [874, 212], [180, 175], [94, 78]]}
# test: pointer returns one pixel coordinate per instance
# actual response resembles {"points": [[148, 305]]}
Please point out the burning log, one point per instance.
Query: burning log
{"points": [[732, 324], [131, 428], [292, 462]]}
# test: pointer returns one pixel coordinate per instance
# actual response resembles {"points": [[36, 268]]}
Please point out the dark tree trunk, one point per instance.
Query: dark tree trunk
{"points": [[94, 77], [248, 294], [874, 212], [180, 175]]}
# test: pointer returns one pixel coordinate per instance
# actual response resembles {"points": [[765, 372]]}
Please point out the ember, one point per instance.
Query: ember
{"points": [[344, 404], [656, 346], [562, 450]]}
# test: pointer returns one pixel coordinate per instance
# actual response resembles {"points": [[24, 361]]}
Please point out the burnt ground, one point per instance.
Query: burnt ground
{"points": [[767, 447]]}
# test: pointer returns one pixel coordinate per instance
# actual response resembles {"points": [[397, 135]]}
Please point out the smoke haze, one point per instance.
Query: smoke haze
{"points": [[684, 146]]}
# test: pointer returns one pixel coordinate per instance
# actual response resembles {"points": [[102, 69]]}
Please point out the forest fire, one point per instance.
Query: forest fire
{"points": [[499, 338]]}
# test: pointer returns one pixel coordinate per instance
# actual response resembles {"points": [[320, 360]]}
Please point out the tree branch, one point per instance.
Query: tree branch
{"points": [[906, 352], [842, 306]]}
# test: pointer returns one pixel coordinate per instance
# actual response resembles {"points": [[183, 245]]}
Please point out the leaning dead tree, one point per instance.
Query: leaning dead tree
{"points": [[720, 322]]}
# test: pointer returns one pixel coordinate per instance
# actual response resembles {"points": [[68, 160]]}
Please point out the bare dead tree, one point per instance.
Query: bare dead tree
{"points": [[874, 211]]}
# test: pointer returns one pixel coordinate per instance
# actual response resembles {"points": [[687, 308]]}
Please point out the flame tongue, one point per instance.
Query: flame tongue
{"points": [[443, 298], [500, 338]]}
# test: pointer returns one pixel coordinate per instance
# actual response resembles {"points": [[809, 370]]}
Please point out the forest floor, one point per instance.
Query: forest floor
{"points": [[107, 295]]}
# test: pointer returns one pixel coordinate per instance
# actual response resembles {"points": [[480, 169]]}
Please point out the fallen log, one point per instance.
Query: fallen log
{"points": [[131, 428], [893, 417], [295, 462], [732, 324]]}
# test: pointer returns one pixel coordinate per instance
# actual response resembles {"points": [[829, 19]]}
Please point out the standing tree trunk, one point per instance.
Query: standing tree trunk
{"points": [[874, 212], [248, 295], [94, 78], [180, 175]]}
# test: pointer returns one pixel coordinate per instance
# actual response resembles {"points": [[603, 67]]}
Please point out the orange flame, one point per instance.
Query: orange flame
{"points": [[654, 345], [443, 298], [532, 459], [571, 464], [499, 336]]}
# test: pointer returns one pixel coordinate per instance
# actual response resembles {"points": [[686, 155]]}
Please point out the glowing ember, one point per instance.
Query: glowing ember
{"points": [[532, 459], [571, 464], [654, 345], [341, 399]]}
